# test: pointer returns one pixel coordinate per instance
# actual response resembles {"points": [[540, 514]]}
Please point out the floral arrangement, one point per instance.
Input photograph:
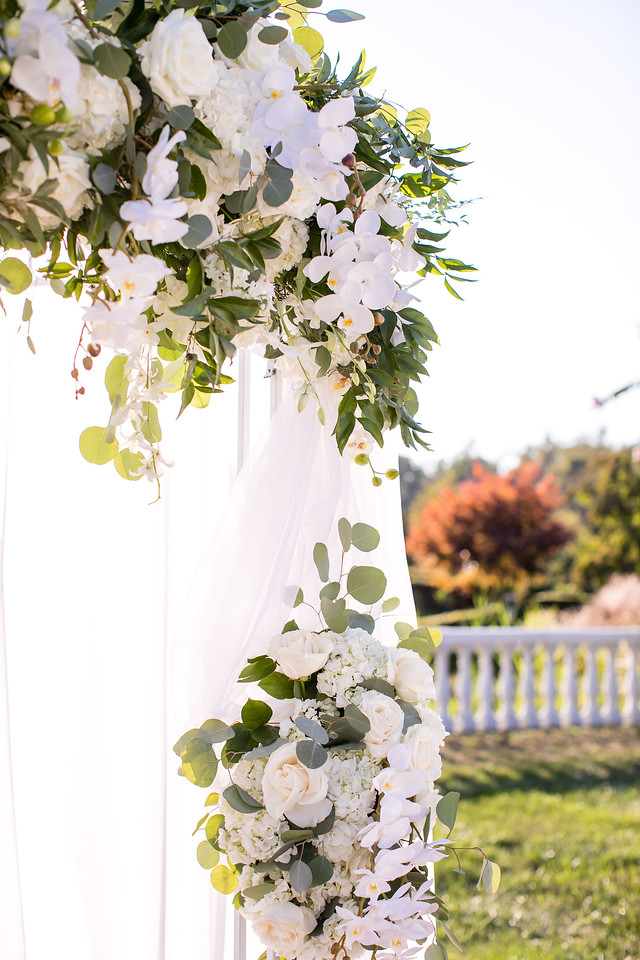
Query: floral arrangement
{"points": [[201, 180], [325, 790]]}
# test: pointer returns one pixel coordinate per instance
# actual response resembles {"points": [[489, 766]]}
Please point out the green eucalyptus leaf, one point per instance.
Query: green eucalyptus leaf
{"points": [[15, 275], [232, 39], [240, 800], [273, 35], [330, 590], [223, 880], [361, 621], [321, 870], [311, 728], [105, 178], [300, 876], [181, 117], [94, 446], [112, 61], [403, 629], [321, 560], [447, 809], [277, 192], [325, 825], [334, 615], [299, 598], [128, 465], [382, 686], [215, 731], [344, 531], [103, 8], [391, 604], [296, 835], [366, 584], [435, 952], [207, 855], [199, 762], [213, 827], [199, 231], [179, 746], [364, 537], [311, 754], [343, 16], [265, 750], [259, 890]]}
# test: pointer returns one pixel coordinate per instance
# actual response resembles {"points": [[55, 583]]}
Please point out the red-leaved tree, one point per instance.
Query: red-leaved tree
{"points": [[491, 532]]}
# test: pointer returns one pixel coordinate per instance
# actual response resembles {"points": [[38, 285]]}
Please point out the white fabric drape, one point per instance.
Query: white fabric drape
{"points": [[93, 582]]}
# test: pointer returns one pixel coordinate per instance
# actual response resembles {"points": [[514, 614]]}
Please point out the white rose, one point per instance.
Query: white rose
{"points": [[282, 927], [72, 183], [300, 653], [295, 56], [411, 676], [425, 743], [294, 790], [177, 59], [386, 719]]}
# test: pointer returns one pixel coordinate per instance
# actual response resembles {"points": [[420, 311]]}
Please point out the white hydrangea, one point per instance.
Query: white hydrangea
{"points": [[351, 775], [101, 112], [356, 657], [293, 237]]}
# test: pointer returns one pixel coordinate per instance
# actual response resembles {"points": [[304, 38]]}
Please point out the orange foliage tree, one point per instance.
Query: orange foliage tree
{"points": [[489, 533]]}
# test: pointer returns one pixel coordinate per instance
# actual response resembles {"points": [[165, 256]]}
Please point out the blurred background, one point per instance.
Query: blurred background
{"points": [[527, 512]]}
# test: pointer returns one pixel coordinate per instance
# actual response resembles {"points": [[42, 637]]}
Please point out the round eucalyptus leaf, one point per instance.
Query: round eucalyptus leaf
{"points": [[311, 754], [361, 621], [273, 35], [277, 192], [232, 39], [364, 537], [15, 275], [321, 870], [334, 615], [311, 728], [344, 16], [179, 746], [391, 604], [213, 826], [447, 809], [344, 531], [259, 890], [199, 231], [207, 855], [215, 731], [321, 560], [223, 880], [181, 117], [94, 446], [240, 800], [199, 762], [105, 178], [128, 464], [112, 61], [310, 40], [300, 876], [366, 584]]}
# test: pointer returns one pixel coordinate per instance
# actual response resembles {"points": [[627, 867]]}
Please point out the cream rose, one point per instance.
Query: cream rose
{"points": [[282, 927], [300, 653], [291, 789], [386, 719], [425, 749], [178, 61], [411, 676], [72, 184]]}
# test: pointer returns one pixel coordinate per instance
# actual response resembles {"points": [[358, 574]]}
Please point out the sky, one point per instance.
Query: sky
{"points": [[546, 93]]}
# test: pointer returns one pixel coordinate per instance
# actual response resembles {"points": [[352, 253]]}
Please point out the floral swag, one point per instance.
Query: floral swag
{"points": [[202, 181]]}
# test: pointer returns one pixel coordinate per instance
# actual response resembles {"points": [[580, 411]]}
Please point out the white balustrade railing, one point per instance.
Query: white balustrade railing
{"points": [[502, 678]]}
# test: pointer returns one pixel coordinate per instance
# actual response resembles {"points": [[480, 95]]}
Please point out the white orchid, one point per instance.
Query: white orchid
{"points": [[156, 221], [336, 140], [133, 276], [161, 175]]}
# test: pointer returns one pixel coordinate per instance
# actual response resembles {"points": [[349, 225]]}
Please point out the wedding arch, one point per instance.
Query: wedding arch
{"points": [[199, 183]]}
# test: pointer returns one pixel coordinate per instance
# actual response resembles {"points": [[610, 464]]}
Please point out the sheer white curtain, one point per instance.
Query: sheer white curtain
{"points": [[94, 579]]}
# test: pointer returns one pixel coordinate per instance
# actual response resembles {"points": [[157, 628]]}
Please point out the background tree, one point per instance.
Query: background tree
{"points": [[489, 533]]}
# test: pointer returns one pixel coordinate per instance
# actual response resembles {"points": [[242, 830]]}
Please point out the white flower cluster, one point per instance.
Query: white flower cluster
{"points": [[359, 809]]}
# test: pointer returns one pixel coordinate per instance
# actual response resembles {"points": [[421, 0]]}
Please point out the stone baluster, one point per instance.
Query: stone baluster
{"points": [[484, 718], [630, 691], [527, 715], [590, 712], [548, 712], [569, 713], [464, 719], [610, 708], [443, 686], [506, 689]]}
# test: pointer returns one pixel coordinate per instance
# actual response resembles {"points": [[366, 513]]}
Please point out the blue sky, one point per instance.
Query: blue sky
{"points": [[547, 93]]}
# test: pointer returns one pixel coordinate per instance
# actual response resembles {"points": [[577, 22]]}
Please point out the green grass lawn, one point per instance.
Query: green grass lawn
{"points": [[559, 810]]}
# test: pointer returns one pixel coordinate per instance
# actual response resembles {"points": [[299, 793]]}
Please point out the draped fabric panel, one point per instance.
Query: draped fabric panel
{"points": [[103, 671]]}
